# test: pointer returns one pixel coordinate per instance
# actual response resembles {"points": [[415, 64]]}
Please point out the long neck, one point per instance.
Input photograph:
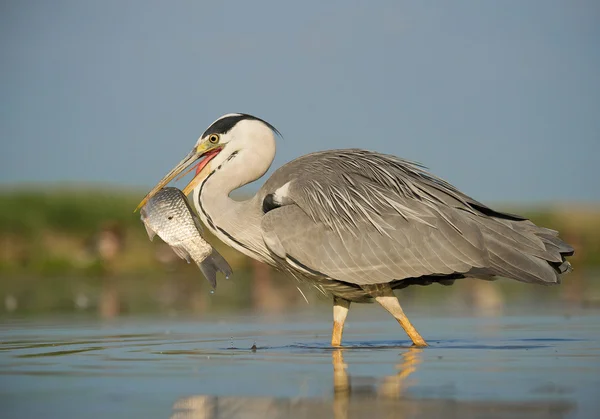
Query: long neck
{"points": [[236, 223]]}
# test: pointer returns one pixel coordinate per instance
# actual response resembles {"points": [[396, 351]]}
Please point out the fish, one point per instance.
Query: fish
{"points": [[169, 215]]}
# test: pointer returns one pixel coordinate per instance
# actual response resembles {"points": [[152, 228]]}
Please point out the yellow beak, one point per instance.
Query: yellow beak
{"points": [[202, 150]]}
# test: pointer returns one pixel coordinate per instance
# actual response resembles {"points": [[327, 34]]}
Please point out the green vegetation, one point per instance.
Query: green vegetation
{"points": [[58, 245], [55, 232], [60, 232], [28, 212]]}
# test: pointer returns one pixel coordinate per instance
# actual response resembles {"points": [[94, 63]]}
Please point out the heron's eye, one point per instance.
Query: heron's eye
{"points": [[214, 138]]}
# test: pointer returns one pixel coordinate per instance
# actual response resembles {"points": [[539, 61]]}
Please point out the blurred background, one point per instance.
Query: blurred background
{"points": [[100, 99]]}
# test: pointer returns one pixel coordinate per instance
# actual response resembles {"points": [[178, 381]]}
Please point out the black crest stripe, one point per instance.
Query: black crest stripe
{"points": [[224, 125]]}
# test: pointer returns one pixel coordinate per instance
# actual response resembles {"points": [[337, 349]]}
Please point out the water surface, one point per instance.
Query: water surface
{"points": [[526, 365]]}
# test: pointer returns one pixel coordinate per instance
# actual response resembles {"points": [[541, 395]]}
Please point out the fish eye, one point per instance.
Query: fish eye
{"points": [[214, 138]]}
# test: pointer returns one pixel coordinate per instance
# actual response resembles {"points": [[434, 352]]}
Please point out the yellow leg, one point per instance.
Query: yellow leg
{"points": [[391, 304], [340, 311]]}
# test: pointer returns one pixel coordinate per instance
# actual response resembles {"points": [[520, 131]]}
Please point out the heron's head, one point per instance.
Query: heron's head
{"points": [[230, 136]]}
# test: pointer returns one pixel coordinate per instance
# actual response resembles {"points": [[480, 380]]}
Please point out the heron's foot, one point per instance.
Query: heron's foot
{"points": [[412, 333], [419, 344]]}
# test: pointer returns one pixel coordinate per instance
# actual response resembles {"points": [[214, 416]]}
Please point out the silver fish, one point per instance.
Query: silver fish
{"points": [[169, 215]]}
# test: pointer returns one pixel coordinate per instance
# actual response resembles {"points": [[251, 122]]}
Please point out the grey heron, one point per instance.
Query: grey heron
{"points": [[357, 224]]}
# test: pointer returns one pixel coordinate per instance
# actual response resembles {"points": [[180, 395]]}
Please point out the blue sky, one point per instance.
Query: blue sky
{"points": [[502, 99]]}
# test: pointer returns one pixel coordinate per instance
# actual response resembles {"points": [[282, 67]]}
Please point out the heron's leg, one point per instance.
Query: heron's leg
{"points": [[340, 311], [388, 300]]}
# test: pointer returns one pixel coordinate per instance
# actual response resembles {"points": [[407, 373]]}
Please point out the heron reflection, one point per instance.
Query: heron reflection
{"points": [[347, 398], [364, 396], [389, 388]]}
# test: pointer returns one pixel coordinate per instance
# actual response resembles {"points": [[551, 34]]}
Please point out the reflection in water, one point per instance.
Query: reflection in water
{"points": [[368, 397], [390, 388]]}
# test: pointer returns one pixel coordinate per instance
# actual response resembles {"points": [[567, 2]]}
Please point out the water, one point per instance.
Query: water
{"points": [[526, 365]]}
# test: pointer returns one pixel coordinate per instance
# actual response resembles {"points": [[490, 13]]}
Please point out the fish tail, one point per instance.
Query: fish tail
{"points": [[212, 264]]}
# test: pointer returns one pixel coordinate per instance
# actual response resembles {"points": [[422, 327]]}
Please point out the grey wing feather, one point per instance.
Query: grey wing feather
{"points": [[364, 217], [404, 249]]}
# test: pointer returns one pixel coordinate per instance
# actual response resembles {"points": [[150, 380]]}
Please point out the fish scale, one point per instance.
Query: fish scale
{"points": [[169, 215]]}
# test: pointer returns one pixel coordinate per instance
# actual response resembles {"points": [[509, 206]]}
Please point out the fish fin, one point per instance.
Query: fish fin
{"points": [[197, 222], [143, 217], [212, 264], [151, 233], [195, 217], [182, 253]]}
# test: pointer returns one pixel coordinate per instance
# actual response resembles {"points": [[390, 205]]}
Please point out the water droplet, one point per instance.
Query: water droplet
{"points": [[226, 276], [212, 291]]}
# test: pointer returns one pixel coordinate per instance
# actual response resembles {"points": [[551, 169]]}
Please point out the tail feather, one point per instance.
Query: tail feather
{"points": [[549, 237], [520, 250], [554, 242], [562, 268], [507, 261], [517, 239]]}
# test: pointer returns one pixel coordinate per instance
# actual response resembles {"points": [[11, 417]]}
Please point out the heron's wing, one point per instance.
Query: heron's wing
{"points": [[363, 217], [397, 250], [336, 186]]}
